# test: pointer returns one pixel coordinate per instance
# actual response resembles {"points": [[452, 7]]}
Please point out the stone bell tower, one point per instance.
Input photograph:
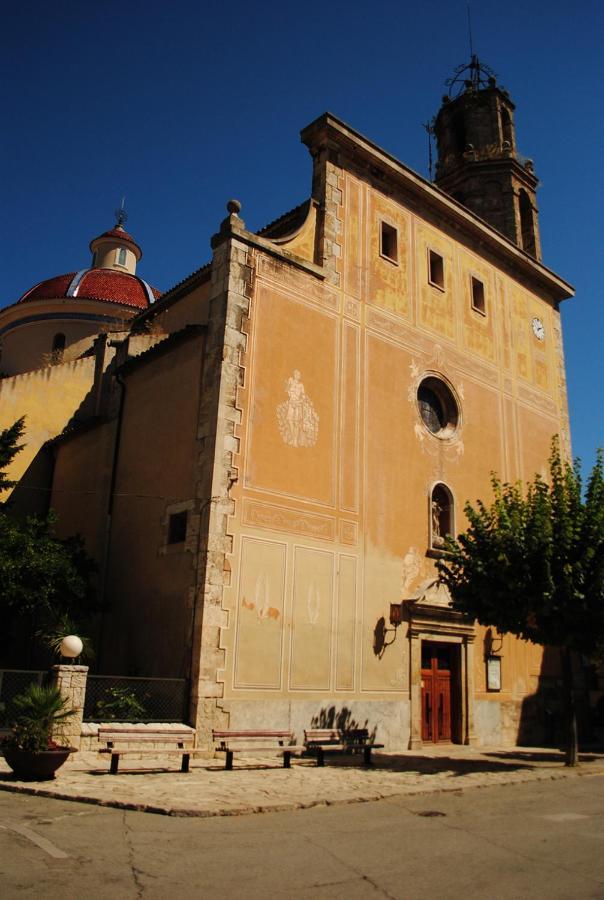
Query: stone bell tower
{"points": [[478, 163]]}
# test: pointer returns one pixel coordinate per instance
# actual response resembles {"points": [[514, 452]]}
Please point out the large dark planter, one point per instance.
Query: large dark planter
{"points": [[29, 765]]}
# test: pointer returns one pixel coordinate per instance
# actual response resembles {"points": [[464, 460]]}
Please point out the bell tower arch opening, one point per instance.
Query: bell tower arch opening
{"points": [[527, 225]]}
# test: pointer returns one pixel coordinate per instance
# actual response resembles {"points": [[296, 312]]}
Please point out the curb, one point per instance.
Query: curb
{"points": [[181, 812]]}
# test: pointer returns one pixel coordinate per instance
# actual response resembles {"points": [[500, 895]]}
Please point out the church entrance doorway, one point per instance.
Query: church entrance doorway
{"points": [[439, 680]]}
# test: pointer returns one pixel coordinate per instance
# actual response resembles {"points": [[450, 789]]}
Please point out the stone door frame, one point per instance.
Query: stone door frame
{"points": [[429, 622]]}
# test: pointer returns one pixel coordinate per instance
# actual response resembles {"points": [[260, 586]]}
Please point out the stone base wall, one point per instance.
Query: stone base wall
{"points": [[498, 724], [388, 719], [512, 723]]}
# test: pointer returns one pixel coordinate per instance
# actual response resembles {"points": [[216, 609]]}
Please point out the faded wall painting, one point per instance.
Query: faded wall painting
{"points": [[298, 421], [259, 614]]}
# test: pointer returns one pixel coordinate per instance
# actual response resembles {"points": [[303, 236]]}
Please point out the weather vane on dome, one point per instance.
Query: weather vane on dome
{"points": [[472, 76], [121, 215]]}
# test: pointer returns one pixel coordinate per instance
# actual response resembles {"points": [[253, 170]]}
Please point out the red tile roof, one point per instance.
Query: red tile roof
{"points": [[97, 284], [117, 234], [52, 287]]}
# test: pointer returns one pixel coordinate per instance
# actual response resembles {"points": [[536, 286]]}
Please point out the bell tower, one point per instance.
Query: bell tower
{"points": [[478, 163]]}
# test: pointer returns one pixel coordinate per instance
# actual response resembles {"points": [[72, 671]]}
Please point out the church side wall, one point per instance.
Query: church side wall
{"points": [[191, 309], [150, 584], [80, 486], [332, 502]]}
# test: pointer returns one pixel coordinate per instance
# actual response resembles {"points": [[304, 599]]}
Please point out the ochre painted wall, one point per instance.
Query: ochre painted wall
{"points": [[331, 519], [150, 582], [192, 309], [48, 398], [82, 473]]}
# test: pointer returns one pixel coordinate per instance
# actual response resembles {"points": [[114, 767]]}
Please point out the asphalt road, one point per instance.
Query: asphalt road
{"points": [[541, 840]]}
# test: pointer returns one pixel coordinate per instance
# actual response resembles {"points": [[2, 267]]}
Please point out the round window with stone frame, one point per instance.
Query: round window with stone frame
{"points": [[438, 407]]}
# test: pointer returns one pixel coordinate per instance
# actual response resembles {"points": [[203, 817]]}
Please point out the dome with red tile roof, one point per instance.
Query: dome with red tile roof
{"points": [[68, 311], [107, 285]]}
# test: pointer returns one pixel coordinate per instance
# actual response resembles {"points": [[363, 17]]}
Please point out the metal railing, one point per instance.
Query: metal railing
{"points": [[120, 698], [14, 682]]}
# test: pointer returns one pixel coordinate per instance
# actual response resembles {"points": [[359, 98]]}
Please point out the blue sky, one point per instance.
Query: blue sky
{"points": [[180, 106]]}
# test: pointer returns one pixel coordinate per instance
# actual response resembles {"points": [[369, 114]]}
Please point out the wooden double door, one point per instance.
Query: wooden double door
{"points": [[438, 684]]}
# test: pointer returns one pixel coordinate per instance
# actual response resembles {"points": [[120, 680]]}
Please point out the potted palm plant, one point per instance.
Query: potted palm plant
{"points": [[30, 750]]}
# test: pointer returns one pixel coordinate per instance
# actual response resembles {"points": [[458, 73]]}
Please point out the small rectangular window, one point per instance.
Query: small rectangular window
{"points": [[177, 527], [389, 242], [121, 257], [436, 267], [478, 301]]}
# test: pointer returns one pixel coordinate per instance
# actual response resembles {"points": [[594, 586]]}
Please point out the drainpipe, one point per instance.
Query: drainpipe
{"points": [[123, 355]]}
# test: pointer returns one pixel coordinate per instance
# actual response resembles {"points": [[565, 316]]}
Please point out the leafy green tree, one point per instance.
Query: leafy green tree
{"points": [[41, 577], [532, 564], [9, 447]]}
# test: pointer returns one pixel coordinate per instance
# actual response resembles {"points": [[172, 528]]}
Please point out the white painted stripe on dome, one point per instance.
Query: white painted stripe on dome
{"points": [[150, 294], [72, 290]]}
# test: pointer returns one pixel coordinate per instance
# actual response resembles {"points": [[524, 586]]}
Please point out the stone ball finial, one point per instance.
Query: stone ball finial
{"points": [[233, 207]]}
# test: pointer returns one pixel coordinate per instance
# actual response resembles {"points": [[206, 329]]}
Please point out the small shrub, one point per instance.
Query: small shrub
{"points": [[120, 704], [33, 715]]}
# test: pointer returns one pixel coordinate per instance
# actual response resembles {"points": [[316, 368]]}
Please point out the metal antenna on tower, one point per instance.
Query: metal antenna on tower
{"points": [[121, 215], [470, 30]]}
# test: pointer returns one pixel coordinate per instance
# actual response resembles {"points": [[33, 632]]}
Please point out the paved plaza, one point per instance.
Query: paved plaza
{"points": [[262, 785]]}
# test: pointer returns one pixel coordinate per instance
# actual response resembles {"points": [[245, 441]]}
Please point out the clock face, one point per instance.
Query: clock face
{"points": [[538, 329]]}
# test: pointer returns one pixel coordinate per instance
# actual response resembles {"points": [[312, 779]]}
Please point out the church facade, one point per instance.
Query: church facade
{"points": [[271, 453]]}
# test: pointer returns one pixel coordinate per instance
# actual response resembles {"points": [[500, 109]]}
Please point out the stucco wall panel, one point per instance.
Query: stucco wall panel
{"points": [[350, 420], [388, 284], [294, 397], [312, 620], [437, 308], [535, 434], [260, 615], [387, 671], [345, 630]]}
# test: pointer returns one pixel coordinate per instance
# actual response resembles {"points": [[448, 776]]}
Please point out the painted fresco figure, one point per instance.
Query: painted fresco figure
{"points": [[298, 421], [295, 393]]}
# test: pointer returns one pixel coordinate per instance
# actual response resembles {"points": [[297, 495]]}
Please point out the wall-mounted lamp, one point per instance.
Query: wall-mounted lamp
{"points": [[396, 614], [380, 631]]}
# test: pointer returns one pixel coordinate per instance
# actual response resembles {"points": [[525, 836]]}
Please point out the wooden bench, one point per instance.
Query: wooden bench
{"points": [[118, 742], [230, 742], [336, 740]]}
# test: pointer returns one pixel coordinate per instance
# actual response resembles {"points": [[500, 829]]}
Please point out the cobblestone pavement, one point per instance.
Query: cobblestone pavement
{"points": [[262, 785]]}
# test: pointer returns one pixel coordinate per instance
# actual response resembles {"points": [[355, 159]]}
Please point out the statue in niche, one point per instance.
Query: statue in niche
{"points": [[438, 539], [297, 419]]}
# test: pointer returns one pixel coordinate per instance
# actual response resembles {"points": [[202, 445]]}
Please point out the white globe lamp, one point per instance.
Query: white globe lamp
{"points": [[71, 646]]}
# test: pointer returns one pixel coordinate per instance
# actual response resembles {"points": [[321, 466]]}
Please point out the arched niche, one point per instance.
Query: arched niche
{"points": [[527, 223], [441, 515], [58, 347]]}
